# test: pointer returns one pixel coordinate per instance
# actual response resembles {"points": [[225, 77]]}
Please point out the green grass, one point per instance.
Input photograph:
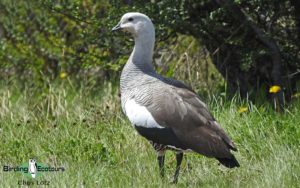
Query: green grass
{"points": [[87, 133]]}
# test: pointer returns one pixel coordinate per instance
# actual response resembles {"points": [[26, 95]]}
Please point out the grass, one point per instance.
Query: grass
{"points": [[86, 133]]}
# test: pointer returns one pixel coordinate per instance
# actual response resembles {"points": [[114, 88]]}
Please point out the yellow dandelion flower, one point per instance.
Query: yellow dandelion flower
{"points": [[274, 89], [243, 109], [63, 75]]}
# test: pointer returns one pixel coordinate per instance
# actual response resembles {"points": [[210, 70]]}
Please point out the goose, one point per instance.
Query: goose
{"points": [[165, 111]]}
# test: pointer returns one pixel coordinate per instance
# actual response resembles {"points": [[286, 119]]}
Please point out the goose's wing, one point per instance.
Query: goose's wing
{"points": [[181, 110]]}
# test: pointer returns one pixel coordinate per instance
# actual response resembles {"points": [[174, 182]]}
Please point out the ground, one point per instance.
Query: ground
{"points": [[87, 134]]}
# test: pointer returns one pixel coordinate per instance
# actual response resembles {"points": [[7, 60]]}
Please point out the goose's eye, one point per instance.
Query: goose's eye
{"points": [[130, 19]]}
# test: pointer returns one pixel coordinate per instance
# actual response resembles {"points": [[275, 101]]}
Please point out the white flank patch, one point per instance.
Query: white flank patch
{"points": [[139, 115]]}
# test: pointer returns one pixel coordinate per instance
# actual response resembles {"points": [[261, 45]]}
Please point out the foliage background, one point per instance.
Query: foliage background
{"points": [[252, 44]]}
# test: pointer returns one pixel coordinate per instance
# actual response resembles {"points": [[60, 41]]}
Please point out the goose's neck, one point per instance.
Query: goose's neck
{"points": [[139, 63], [142, 53]]}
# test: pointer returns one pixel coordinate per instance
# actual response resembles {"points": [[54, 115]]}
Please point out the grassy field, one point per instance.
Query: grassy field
{"points": [[85, 132]]}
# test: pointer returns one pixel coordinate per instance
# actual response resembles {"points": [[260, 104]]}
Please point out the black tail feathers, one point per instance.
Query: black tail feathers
{"points": [[229, 162]]}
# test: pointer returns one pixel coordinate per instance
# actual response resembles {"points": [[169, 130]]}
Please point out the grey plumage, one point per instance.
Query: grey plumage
{"points": [[166, 111]]}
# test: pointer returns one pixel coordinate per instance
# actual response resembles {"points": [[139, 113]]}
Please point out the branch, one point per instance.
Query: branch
{"points": [[269, 42], [239, 15]]}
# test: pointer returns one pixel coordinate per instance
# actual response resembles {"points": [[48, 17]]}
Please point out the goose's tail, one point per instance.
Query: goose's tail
{"points": [[229, 162]]}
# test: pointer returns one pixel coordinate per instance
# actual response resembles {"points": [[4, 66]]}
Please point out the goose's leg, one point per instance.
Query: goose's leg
{"points": [[179, 156], [161, 162]]}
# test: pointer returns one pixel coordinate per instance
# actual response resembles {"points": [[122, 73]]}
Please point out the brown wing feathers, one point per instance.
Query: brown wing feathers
{"points": [[189, 118]]}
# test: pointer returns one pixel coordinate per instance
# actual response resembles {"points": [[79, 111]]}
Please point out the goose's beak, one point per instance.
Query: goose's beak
{"points": [[117, 27]]}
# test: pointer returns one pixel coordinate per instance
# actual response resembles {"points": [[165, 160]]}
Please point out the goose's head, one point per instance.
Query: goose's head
{"points": [[135, 23]]}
